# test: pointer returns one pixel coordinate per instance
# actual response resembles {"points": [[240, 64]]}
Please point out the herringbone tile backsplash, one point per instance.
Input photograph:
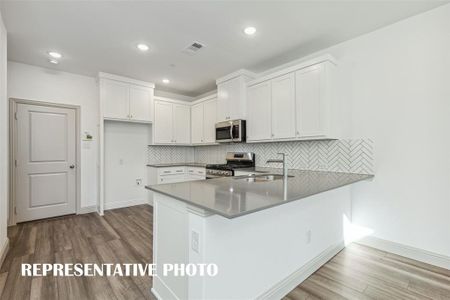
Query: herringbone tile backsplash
{"points": [[352, 156]]}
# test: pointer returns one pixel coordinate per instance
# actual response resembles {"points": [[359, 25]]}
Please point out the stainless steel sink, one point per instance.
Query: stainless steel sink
{"points": [[263, 178]]}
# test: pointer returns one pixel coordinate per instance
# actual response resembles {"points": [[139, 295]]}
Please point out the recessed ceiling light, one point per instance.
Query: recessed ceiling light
{"points": [[142, 47], [53, 61], [54, 54], [165, 80], [250, 30]]}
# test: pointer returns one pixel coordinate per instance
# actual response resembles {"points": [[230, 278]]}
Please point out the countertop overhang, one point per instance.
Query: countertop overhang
{"points": [[233, 197], [181, 164]]}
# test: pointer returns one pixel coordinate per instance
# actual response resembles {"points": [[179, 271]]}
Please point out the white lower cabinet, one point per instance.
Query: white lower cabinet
{"points": [[172, 123], [175, 174], [166, 175]]}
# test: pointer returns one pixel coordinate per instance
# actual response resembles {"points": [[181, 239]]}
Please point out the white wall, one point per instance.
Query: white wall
{"points": [[3, 142], [36, 83], [125, 161], [397, 81]]}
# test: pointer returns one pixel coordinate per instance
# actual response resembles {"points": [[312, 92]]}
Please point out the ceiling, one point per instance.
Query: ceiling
{"points": [[102, 36]]}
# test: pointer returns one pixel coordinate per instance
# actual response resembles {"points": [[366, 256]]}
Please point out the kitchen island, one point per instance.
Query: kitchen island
{"points": [[266, 234]]}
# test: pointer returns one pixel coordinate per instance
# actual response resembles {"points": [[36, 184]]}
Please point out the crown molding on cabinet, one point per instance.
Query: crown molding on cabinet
{"points": [[284, 69], [203, 99], [125, 79], [241, 72]]}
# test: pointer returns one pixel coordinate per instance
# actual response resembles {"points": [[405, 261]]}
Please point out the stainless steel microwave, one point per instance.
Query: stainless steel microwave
{"points": [[230, 131]]}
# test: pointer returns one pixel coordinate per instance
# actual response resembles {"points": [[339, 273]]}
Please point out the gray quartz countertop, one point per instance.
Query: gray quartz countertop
{"points": [[232, 197], [188, 164]]}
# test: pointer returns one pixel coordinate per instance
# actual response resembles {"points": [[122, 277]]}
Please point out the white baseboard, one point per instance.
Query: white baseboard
{"points": [[283, 287], [127, 203], [87, 209], [164, 292], [3, 251], [421, 255], [155, 293]]}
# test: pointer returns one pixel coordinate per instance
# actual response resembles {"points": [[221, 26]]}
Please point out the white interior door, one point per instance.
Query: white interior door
{"points": [[45, 183]]}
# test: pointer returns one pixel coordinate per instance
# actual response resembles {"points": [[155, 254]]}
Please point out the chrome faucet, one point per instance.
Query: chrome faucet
{"points": [[283, 161]]}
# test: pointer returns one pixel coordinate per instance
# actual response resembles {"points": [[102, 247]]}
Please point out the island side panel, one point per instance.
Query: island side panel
{"points": [[170, 246], [266, 254]]}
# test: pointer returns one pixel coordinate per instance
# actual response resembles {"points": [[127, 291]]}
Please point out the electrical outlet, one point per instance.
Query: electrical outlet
{"points": [[139, 181], [308, 236], [195, 241]]}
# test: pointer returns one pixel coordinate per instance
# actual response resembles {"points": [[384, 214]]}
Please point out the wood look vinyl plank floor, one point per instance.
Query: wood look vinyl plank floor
{"points": [[125, 236]]}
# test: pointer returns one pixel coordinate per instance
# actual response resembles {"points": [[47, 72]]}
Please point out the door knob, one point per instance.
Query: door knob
{"points": [[72, 166]]}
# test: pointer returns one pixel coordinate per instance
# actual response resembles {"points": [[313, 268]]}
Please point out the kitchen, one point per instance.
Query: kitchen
{"points": [[296, 164]]}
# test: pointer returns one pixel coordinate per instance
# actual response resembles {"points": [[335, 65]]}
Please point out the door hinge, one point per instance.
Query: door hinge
{"points": [[15, 210], [15, 115], [15, 163]]}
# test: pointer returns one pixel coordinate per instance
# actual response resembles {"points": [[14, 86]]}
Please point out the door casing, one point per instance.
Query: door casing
{"points": [[12, 150]]}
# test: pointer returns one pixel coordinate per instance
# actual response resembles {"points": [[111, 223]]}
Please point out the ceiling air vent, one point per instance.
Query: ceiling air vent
{"points": [[193, 48]]}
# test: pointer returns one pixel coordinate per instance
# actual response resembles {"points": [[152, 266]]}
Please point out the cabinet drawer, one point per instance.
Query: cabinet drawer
{"points": [[196, 171], [171, 179], [171, 171]]}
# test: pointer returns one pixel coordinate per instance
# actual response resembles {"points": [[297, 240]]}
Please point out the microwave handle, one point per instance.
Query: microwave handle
{"points": [[231, 131]]}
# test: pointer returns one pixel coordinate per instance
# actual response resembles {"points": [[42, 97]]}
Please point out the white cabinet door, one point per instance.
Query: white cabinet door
{"points": [[140, 103], [209, 121], [181, 124], [309, 106], [283, 107], [163, 123], [115, 96], [223, 102], [259, 112], [197, 116]]}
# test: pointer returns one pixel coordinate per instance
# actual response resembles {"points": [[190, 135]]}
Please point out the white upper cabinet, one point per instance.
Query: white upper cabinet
{"points": [[141, 103], [203, 121], [163, 125], [259, 112], [223, 102], [197, 123], [283, 107], [115, 95], [182, 124], [209, 121], [126, 99], [172, 123], [231, 95], [311, 106], [297, 103]]}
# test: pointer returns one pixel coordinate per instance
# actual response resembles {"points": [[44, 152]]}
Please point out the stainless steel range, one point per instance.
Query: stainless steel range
{"points": [[235, 160]]}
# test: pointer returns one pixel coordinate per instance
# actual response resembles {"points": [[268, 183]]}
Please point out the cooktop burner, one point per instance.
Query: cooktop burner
{"points": [[228, 166], [235, 160]]}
